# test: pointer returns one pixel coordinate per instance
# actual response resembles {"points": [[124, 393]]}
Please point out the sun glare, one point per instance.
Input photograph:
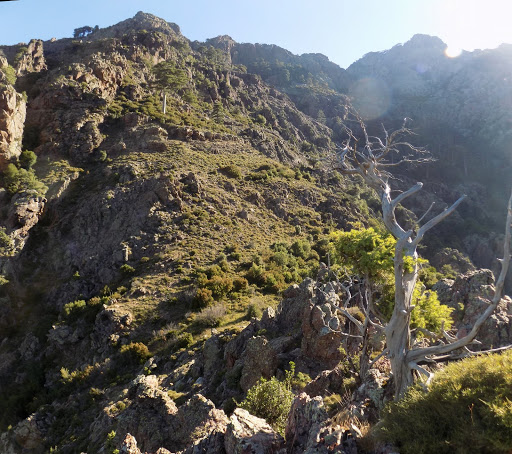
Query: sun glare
{"points": [[452, 51]]}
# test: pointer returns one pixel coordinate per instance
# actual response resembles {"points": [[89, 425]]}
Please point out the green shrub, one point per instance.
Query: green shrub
{"points": [[10, 74], [6, 242], [185, 340], [134, 353], [232, 171], [127, 269], [271, 400], [429, 313], [301, 248], [240, 284], [252, 312], [468, 409], [256, 274], [71, 310], [202, 298], [219, 286], [18, 180], [274, 282], [27, 159]]}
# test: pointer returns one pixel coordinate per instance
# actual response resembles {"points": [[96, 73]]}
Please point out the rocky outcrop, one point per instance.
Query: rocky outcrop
{"points": [[259, 360], [322, 332], [28, 436], [155, 421], [306, 430], [246, 433], [469, 295], [30, 59], [110, 326], [24, 212], [12, 120]]}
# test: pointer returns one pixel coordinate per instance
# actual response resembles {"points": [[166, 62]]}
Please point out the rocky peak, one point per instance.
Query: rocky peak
{"points": [[31, 59], [424, 42], [141, 21]]}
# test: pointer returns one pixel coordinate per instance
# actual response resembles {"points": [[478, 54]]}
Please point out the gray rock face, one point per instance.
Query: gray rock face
{"points": [[296, 299], [129, 445], [111, 323], [306, 429], [260, 360], [321, 329], [32, 59], [28, 436], [155, 421], [470, 295], [248, 434], [12, 119]]}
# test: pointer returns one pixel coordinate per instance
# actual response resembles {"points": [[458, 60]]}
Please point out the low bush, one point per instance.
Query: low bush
{"points": [[271, 400], [232, 171], [203, 298], [252, 312], [82, 310], [211, 317], [468, 409], [134, 353], [19, 180], [27, 159], [127, 269]]}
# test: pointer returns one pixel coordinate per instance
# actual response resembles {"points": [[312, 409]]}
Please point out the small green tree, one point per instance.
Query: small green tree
{"points": [[218, 112], [82, 32], [321, 117], [168, 77], [369, 255]]}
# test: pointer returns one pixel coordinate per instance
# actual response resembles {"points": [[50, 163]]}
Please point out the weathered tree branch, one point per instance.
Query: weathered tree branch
{"points": [[436, 220], [414, 355]]}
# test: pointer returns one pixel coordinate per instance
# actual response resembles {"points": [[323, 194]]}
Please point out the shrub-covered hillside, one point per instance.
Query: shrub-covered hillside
{"points": [[170, 219]]}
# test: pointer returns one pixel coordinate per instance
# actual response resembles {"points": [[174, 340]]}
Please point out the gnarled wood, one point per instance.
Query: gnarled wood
{"points": [[369, 165]]}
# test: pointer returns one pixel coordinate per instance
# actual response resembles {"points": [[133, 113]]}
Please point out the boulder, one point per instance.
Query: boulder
{"points": [[156, 422], [111, 323], [259, 360], [249, 434], [295, 299], [150, 416], [129, 445], [321, 329], [306, 426]]}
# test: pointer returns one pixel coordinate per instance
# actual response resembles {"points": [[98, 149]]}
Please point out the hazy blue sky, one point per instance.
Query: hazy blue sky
{"points": [[341, 29]]}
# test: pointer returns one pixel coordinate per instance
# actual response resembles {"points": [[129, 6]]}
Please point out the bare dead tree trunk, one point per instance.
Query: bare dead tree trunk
{"points": [[370, 164], [164, 102]]}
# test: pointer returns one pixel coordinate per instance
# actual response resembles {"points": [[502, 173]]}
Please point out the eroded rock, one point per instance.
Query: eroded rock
{"points": [[470, 295], [13, 109], [249, 434]]}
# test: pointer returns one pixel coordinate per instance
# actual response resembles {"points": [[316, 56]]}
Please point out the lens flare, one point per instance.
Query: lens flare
{"points": [[372, 97], [452, 51]]}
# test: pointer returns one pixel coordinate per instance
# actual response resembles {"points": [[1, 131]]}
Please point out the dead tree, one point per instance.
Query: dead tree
{"points": [[371, 161]]}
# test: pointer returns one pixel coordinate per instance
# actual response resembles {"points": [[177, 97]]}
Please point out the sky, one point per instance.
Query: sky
{"points": [[343, 30]]}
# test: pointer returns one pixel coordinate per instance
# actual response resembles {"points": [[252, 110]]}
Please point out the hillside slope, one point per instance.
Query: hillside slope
{"points": [[137, 249]]}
